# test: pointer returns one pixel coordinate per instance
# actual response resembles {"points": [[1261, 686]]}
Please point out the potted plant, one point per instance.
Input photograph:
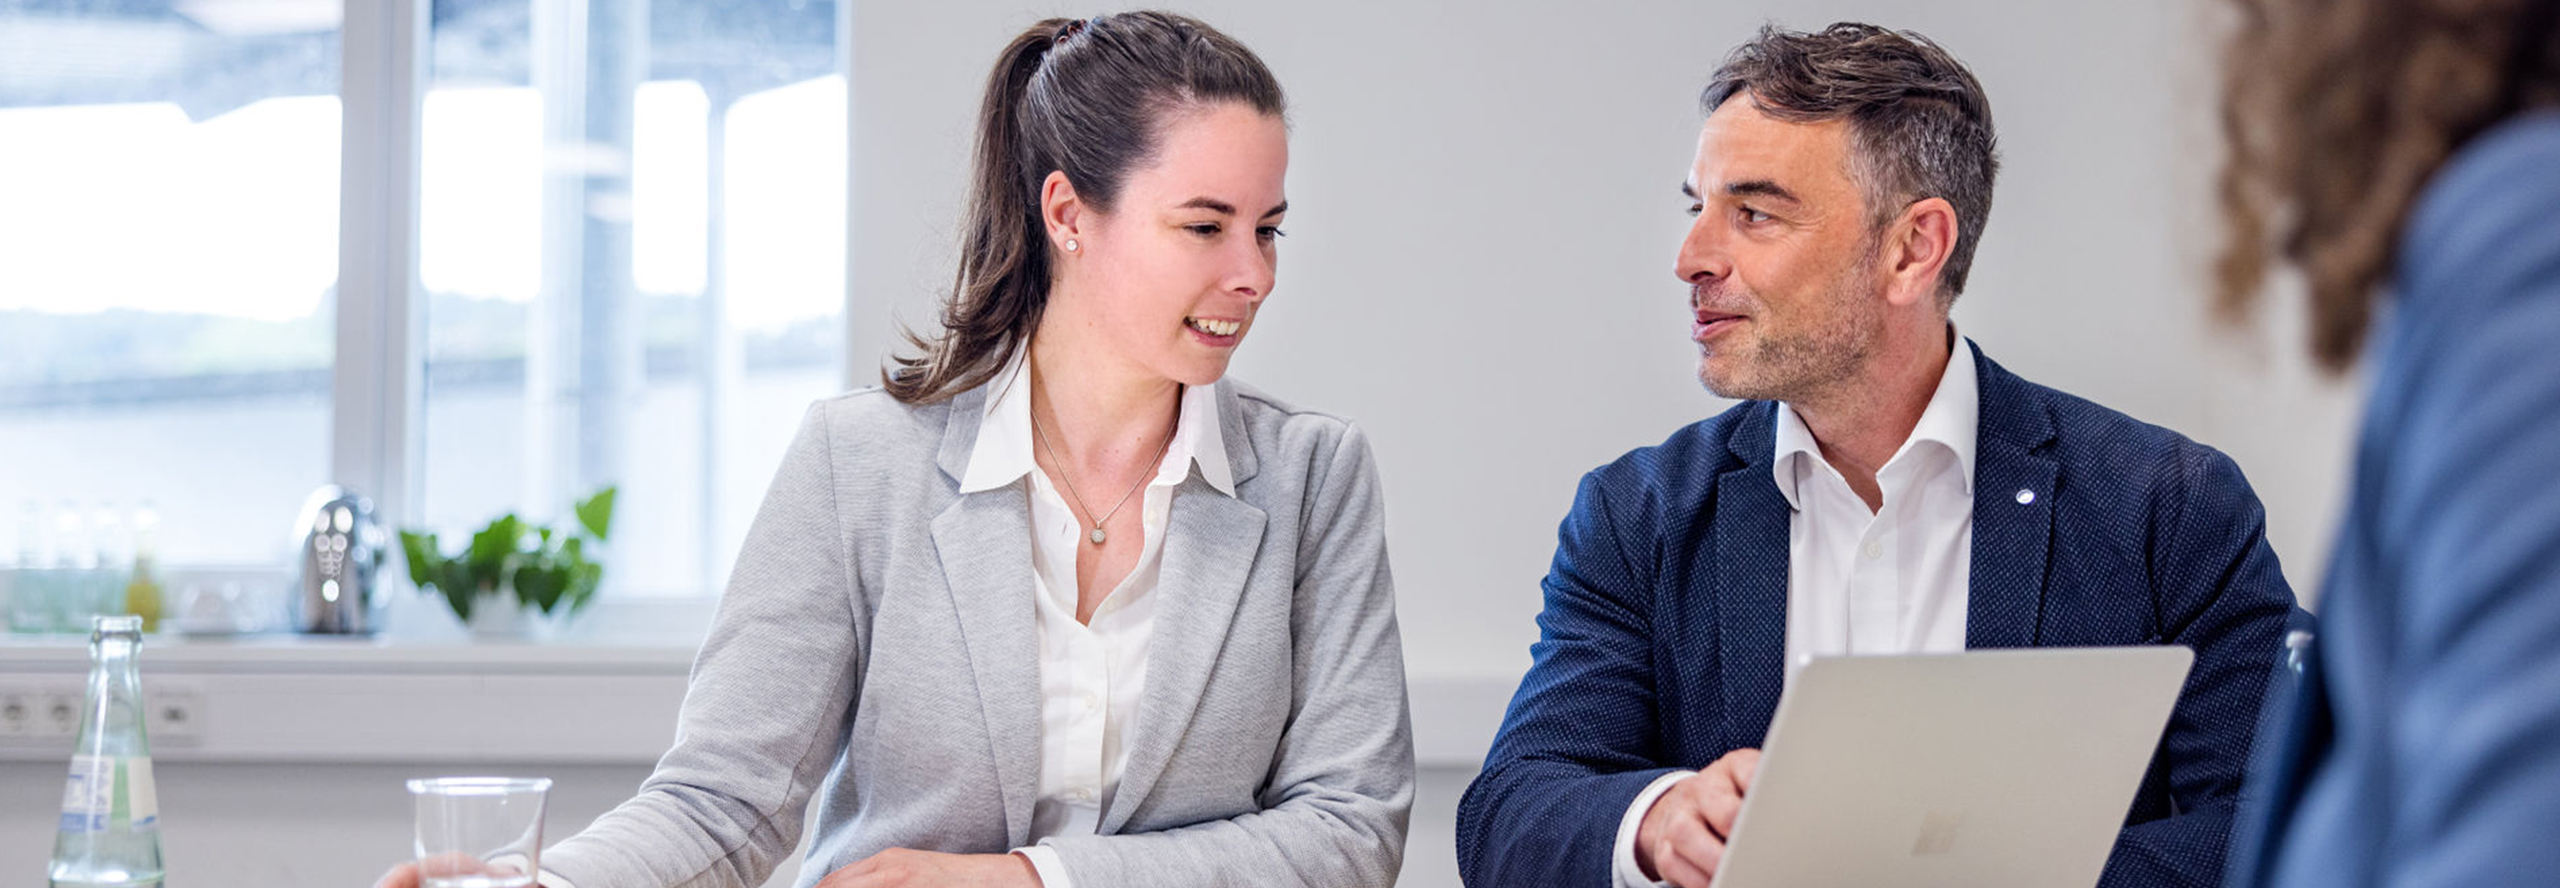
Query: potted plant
{"points": [[516, 575]]}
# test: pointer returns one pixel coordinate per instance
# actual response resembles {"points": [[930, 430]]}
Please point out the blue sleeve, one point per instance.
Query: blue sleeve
{"points": [[1581, 737], [2470, 505], [2219, 592]]}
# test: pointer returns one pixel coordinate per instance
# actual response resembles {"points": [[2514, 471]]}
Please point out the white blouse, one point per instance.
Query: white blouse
{"points": [[1092, 675]]}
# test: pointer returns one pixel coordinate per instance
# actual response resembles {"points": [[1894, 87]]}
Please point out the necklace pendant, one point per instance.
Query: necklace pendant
{"points": [[1097, 536]]}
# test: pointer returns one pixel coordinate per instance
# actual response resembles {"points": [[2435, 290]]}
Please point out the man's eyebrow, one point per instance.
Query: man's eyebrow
{"points": [[1761, 188], [1274, 211], [1688, 190]]}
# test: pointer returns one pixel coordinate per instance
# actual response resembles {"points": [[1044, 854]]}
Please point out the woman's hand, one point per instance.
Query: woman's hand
{"points": [[406, 874], [901, 868]]}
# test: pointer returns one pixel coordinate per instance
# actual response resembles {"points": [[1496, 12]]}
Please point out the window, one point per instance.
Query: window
{"points": [[632, 251], [168, 251], [628, 245]]}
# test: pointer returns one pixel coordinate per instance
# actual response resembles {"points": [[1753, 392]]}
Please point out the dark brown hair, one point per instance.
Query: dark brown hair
{"points": [[1086, 97], [2336, 115], [1919, 124]]}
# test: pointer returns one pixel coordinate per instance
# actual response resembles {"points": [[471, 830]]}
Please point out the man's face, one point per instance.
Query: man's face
{"points": [[1780, 259]]}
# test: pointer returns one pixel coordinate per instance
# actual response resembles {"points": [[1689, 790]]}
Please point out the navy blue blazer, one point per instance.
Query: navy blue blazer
{"points": [[2425, 749], [1665, 623]]}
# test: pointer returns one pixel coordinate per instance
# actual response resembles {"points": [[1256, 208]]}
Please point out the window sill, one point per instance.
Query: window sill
{"points": [[303, 699], [606, 691]]}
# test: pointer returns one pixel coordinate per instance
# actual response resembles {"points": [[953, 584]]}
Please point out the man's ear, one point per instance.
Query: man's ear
{"points": [[1916, 247]]}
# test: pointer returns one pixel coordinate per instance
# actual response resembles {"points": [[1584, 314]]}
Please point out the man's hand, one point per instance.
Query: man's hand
{"points": [[901, 868], [1681, 839]]}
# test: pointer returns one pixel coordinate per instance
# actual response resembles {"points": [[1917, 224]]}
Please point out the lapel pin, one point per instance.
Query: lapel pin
{"points": [[2026, 496]]}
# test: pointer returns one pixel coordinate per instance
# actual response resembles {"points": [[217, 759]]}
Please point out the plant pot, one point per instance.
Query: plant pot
{"points": [[500, 615]]}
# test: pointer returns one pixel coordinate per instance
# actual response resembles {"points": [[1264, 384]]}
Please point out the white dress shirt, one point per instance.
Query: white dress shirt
{"points": [[1091, 674], [1891, 580]]}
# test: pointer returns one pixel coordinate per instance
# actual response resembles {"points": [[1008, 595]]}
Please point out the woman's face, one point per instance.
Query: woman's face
{"points": [[1170, 279]]}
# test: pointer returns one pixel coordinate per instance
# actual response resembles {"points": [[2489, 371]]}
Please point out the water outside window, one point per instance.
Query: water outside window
{"points": [[631, 251]]}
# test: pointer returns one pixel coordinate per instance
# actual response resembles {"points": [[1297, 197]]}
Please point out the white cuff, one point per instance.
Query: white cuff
{"points": [[1625, 872], [1044, 860]]}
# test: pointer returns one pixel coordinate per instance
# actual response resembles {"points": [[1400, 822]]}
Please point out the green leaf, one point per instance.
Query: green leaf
{"points": [[493, 545], [541, 585], [596, 513], [423, 556], [458, 585], [584, 577]]}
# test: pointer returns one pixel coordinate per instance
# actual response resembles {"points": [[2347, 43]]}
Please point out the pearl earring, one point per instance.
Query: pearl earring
{"points": [[1071, 245]]}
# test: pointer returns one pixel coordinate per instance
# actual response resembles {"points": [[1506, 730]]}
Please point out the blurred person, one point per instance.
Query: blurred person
{"points": [[1884, 488], [2403, 158], [1058, 603]]}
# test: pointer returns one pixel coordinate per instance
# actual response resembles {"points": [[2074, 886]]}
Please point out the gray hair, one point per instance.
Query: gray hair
{"points": [[1919, 124]]}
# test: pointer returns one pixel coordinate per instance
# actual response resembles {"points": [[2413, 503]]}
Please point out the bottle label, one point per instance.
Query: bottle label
{"points": [[141, 794], [89, 796], [91, 799]]}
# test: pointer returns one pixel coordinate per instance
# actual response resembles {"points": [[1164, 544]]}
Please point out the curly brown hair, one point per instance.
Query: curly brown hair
{"points": [[2336, 115]]}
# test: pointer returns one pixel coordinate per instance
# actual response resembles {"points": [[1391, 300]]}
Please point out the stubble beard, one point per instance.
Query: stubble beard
{"points": [[1812, 364]]}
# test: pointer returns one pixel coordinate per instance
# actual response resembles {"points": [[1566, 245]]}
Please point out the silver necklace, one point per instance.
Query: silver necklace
{"points": [[1097, 536]]}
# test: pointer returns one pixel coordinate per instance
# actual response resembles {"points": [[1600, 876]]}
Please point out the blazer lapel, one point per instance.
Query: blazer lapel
{"points": [[2013, 496], [1751, 538], [1210, 545], [984, 542]]}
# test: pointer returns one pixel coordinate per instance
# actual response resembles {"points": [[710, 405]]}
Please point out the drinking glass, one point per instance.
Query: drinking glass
{"points": [[479, 832]]}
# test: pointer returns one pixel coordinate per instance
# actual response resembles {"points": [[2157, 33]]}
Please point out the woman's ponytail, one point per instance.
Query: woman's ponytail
{"points": [[1077, 96]]}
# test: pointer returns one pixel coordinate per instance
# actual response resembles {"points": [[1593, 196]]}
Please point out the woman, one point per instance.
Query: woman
{"points": [[2404, 156], [1057, 604]]}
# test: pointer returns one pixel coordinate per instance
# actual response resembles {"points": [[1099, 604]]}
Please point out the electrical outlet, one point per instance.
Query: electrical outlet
{"points": [[173, 713], [17, 712], [46, 712], [58, 714], [37, 711]]}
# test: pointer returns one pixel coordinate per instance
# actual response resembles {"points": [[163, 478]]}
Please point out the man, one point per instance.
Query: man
{"points": [[1883, 489]]}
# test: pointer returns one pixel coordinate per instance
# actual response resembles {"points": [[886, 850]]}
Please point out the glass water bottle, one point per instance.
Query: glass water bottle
{"points": [[110, 833]]}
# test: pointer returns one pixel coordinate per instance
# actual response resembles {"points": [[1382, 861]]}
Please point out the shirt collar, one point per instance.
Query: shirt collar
{"points": [[1952, 420], [1002, 453]]}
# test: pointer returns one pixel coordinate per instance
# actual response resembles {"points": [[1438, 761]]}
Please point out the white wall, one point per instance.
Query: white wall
{"points": [[1484, 210]]}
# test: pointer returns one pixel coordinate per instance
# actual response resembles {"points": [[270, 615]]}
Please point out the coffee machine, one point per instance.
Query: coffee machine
{"points": [[337, 565]]}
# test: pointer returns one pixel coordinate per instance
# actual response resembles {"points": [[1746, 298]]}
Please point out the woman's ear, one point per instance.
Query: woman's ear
{"points": [[1061, 211]]}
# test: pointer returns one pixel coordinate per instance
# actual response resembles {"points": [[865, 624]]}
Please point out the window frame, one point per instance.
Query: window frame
{"points": [[380, 362], [376, 376]]}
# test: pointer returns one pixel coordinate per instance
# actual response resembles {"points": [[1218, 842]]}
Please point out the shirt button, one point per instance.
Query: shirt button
{"points": [[1090, 700], [1875, 548], [1082, 794]]}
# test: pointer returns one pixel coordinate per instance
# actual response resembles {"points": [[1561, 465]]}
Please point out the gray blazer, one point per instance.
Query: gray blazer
{"points": [[876, 647]]}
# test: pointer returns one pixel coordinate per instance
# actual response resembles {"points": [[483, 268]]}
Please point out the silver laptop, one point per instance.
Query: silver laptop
{"points": [[1986, 769]]}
